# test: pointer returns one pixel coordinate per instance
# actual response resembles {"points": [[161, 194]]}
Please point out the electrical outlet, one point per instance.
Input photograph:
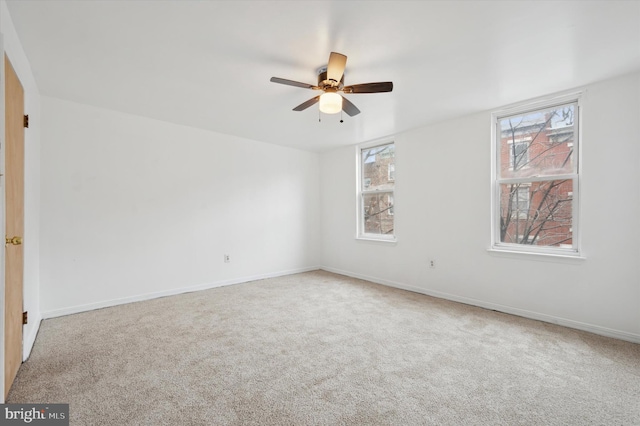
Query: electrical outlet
{"points": [[432, 264], [227, 258]]}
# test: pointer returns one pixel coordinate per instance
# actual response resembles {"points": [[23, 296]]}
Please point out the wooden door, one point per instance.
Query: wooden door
{"points": [[14, 206]]}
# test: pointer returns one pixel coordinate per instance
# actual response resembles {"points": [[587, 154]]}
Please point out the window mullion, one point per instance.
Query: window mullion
{"points": [[507, 181], [377, 191]]}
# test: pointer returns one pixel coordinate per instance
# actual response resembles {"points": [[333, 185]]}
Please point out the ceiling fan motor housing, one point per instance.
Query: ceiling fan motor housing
{"points": [[325, 83]]}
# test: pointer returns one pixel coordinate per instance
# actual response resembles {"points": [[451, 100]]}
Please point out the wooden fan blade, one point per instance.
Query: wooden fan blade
{"points": [[293, 83], [349, 108], [335, 68], [307, 104], [386, 86]]}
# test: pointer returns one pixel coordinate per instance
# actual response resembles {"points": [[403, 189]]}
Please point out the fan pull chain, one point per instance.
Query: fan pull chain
{"points": [[341, 120]]}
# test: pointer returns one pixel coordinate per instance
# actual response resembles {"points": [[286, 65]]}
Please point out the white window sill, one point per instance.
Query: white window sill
{"points": [[376, 240], [536, 255]]}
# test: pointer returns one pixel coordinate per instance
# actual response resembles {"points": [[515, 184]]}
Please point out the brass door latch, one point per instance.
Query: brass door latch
{"points": [[16, 241]]}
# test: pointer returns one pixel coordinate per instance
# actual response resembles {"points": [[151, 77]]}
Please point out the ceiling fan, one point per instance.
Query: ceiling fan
{"points": [[331, 81]]}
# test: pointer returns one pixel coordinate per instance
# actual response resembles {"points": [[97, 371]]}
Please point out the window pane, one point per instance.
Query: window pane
{"points": [[520, 199], [378, 213], [378, 167], [537, 143], [537, 213]]}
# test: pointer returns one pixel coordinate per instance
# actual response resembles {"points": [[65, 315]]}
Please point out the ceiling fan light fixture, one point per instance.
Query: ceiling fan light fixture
{"points": [[330, 103]]}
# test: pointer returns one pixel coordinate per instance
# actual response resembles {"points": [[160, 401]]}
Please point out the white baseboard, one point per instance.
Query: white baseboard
{"points": [[596, 329], [28, 340], [148, 296]]}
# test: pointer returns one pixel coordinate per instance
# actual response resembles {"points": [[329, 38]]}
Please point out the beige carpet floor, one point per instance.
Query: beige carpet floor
{"points": [[324, 349]]}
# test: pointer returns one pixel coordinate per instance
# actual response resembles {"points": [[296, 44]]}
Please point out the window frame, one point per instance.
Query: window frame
{"points": [[540, 104], [361, 193]]}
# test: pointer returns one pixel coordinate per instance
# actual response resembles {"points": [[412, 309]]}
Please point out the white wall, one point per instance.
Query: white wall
{"points": [[15, 53], [136, 208], [442, 211]]}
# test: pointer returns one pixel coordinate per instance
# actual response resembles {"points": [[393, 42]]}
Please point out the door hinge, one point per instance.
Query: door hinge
{"points": [[26, 121], [25, 317]]}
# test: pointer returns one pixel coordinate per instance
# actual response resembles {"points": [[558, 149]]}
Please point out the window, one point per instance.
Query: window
{"points": [[536, 179], [518, 154], [376, 192], [520, 201]]}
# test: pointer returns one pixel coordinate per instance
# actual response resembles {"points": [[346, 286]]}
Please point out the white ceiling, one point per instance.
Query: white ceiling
{"points": [[207, 64]]}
